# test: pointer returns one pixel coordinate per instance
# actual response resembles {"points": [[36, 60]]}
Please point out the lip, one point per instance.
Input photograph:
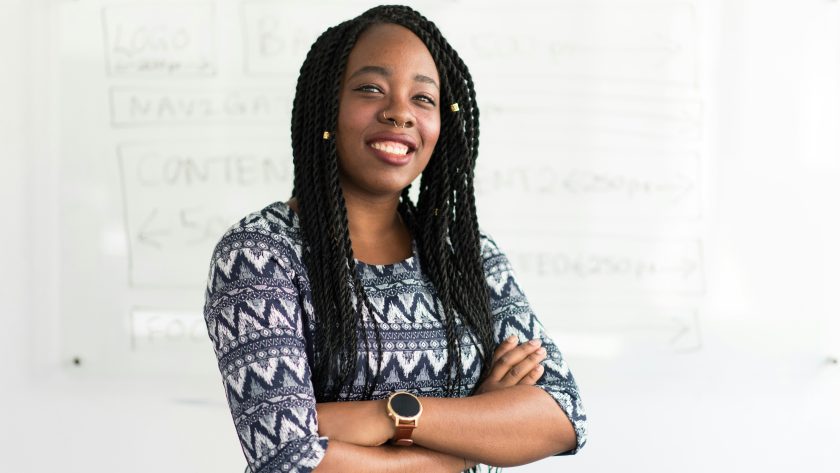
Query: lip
{"points": [[389, 158]]}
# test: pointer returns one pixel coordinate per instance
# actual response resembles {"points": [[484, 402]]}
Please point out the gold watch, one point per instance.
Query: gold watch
{"points": [[405, 409]]}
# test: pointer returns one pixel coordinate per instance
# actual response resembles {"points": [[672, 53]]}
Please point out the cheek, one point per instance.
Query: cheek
{"points": [[347, 129], [346, 119], [431, 133]]}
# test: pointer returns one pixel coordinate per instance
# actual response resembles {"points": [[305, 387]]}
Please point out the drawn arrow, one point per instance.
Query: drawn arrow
{"points": [[685, 268], [147, 235]]}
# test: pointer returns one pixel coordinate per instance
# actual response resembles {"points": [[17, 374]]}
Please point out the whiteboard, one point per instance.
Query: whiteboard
{"points": [[661, 174], [187, 111]]}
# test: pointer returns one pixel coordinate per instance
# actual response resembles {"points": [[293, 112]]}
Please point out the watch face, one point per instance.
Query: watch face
{"points": [[405, 405]]}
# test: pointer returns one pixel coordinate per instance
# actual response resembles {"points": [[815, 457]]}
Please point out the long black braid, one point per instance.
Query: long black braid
{"points": [[443, 222]]}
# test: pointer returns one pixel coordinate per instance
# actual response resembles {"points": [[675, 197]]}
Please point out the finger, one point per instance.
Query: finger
{"points": [[516, 354], [517, 372], [523, 369], [507, 345], [512, 358], [532, 377]]}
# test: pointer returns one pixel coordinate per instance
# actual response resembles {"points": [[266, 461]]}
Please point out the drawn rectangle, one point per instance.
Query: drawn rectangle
{"points": [[586, 41], [615, 265], [628, 330], [277, 35], [567, 181], [599, 114], [155, 327], [180, 197], [160, 40], [158, 106]]}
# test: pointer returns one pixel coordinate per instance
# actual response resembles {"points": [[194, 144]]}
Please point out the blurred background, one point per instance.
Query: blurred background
{"points": [[664, 175]]}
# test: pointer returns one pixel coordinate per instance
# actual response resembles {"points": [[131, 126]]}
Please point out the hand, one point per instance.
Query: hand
{"points": [[514, 365], [364, 423]]}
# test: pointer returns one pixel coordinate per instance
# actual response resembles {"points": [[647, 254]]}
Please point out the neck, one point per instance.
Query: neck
{"points": [[372, 219], [378, 234]]}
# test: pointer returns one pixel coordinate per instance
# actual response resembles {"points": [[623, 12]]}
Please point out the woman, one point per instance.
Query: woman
{"points": [[350, 292]]}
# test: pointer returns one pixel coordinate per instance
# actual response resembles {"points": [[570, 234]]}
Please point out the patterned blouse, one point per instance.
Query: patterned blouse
{"points": [[258, 295]]}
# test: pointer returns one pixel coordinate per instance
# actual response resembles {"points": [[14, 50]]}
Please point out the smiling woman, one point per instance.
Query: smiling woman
{"points": [[388, 115], [349, 322]]}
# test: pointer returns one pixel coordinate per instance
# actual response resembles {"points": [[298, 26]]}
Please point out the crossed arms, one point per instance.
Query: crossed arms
{"points": [[508, 422], [253, 309]]}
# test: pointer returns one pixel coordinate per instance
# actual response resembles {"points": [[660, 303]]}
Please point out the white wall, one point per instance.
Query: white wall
{"points": [[739, 381], [13, 177], [54, 418]]}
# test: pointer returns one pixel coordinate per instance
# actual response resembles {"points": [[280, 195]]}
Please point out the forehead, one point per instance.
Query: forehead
{"points": [[394, 47]]}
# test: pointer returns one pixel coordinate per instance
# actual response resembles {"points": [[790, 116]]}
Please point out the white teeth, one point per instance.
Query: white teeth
{"points": [[390, 147]]}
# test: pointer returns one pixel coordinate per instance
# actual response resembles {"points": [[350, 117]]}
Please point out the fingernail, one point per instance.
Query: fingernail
{"points": [[510, 339], [541, 351], [536, 342]]}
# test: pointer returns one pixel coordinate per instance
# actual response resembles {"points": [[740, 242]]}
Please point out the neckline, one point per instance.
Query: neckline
{"points": [[406, 262], [295, 219]]}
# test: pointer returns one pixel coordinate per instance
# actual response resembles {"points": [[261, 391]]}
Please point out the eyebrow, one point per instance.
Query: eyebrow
{"points": [[386, 72]]}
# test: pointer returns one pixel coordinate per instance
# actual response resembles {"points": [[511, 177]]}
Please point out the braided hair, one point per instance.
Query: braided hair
{"points": [[443, 222]]}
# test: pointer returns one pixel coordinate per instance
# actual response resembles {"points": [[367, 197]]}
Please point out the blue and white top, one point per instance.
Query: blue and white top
{"points": [[258, 297]]}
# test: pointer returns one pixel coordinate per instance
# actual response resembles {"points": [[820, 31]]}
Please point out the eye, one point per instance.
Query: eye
{"points": [[425, 98], [368, 88]]}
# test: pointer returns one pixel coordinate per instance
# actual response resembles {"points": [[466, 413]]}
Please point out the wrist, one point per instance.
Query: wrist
{"points": [[387, 423], [363, 423]]}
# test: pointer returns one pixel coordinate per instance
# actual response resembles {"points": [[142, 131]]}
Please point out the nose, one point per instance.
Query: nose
{"points": [[398, 114]]}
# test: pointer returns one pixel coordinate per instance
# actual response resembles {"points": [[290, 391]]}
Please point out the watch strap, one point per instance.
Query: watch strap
{"points": [[403, 426], [402, 436]]}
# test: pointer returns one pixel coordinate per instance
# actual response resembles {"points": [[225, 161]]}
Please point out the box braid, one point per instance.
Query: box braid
{"points": [[443, 222]]}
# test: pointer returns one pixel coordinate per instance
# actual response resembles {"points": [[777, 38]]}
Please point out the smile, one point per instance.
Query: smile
{"points": [[391, 147]]}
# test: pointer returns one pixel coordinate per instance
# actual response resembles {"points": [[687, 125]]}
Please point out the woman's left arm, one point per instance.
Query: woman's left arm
{"points": [[506, 427]]}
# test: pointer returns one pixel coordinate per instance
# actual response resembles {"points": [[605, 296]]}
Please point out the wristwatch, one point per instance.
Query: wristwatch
{"points": [[405, 409]]}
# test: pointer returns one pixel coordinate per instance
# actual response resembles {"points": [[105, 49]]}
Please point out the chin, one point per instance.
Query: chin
{"points": [[380, 184], [386, 188]]}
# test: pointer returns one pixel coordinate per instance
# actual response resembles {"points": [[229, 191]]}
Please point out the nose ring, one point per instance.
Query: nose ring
{"points": [[393, 120]]}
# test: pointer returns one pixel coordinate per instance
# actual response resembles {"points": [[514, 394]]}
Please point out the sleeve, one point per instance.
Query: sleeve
{"points": [[253, 315], [513, 316]]}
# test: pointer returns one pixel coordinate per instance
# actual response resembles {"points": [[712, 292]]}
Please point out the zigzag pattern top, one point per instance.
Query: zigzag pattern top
{"points": [[258, 296]]}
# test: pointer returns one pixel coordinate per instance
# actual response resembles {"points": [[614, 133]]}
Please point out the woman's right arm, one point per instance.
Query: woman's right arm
{"points": [[253, 316], [349, 458]]}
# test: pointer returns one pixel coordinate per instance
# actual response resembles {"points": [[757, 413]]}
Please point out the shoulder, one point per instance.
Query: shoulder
{"points": [[499, 274], [262, 247], [273, 229], [255, 277], [493, 258]]}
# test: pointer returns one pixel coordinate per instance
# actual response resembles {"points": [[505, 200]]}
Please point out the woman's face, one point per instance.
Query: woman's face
{"points": [[390, 79]]}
